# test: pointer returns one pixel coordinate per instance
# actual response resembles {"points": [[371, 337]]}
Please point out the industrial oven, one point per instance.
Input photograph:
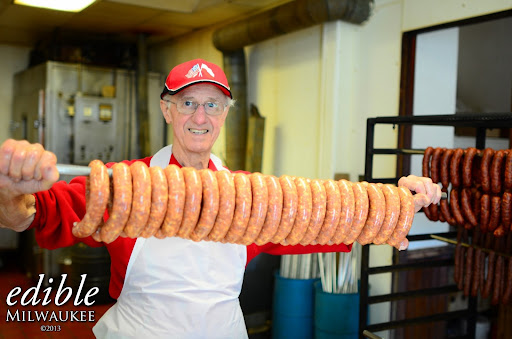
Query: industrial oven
{"points": [[81, 113]]}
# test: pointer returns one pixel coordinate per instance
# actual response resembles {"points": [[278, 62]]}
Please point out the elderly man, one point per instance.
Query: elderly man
{"points": [[164, 287]]}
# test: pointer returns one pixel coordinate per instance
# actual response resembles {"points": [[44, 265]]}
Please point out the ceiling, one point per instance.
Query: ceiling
{"points": [[160, 20]]}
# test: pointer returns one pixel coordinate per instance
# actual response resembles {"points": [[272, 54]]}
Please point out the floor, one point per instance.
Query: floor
{"points": [[12, 276]]}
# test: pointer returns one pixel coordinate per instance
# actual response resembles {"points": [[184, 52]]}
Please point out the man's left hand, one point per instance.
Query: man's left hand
{"points": [[426, 191]]}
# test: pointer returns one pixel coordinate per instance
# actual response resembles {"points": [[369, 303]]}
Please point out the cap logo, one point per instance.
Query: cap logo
{"points": [[196, 70]]}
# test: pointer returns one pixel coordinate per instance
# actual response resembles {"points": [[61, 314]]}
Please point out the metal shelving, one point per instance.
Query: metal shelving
{"points": [[481, 123]]}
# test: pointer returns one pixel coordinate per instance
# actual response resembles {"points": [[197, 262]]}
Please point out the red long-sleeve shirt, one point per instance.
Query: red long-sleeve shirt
{"points": [[62, 205]]}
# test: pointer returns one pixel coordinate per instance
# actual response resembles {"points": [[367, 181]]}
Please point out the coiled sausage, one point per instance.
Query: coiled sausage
{"points": [[392, 198], [243, 203], [175, 202], [274, 210], [227, 195], [290, 202], [210, 205], [193, 196], [97, 195], [121, 203], [405, 219], [319, 197], [141, 202], [258, 210], [361, 212], [376, 214], [159, 197], [304, 209], [347, 211], [332, 213]]}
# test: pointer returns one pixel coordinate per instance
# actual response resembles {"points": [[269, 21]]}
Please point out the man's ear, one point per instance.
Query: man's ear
{"points": [[166, 111]]}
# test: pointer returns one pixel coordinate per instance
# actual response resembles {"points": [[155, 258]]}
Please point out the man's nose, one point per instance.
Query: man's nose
{"points": [[199, 115]]}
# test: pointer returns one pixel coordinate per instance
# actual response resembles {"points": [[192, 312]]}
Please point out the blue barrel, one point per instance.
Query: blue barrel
{"points": [[292, 314], [336, 314]]}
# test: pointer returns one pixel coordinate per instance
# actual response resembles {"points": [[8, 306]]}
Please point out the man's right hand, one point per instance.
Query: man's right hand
{"points": [[24, 169]]}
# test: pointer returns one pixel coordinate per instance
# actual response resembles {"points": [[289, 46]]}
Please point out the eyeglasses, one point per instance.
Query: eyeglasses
{"points": [[188, 107]]}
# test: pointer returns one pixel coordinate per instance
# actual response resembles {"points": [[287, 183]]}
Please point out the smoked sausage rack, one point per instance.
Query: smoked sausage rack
{"points": [[480, 123]]}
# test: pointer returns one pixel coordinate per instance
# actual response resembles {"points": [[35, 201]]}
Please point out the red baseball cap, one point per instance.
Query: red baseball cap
{"points": [[195, 72]]}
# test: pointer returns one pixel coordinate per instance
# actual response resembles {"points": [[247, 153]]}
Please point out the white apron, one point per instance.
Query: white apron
{"points": [[179, 288]]}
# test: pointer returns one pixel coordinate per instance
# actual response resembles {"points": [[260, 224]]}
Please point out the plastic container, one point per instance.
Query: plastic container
{"points": [[292, 315], [336, 314]]}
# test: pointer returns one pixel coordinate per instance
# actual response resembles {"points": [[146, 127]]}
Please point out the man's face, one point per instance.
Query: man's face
{"points": [[196, 132]]}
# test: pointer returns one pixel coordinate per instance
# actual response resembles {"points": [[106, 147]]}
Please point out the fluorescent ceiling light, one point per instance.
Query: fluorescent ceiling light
{"points": [[59, 5]]}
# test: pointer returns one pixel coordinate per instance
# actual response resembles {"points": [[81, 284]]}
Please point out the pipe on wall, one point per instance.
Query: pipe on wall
{"points": [[287, 18]]}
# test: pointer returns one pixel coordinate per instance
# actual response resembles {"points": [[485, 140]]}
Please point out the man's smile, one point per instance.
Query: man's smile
{"points": [[198, 131]]}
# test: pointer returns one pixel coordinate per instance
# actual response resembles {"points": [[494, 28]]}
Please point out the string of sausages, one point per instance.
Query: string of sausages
{"points": [[479, 185], [241, 208]]}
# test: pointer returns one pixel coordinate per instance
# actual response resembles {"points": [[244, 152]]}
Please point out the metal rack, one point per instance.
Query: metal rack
{"points": [[481, 123]]}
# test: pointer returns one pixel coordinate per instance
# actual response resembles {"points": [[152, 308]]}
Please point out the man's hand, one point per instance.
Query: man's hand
{"points": [[426, 191], [24, 169]]}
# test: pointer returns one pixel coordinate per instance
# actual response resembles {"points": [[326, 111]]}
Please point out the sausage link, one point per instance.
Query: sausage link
{"points": [[258, 210], [507, 182], [319, 197], [227, 195], [159, 197], [175, 202], [507, 293], [476, 197], [304, 210], [274, 210], [498, 281], [426, 161], [121, 202], [485, 165], [434, 165], [332, 213], [496, 171], [445, 168], [96, 204], [495, 212], [141, 202], [491, 263], [376, 214], [347, 211], [361, 212], [426, 173], [466, 206], [406, 217], [506, 209], [290, 201], [445, 211], [243, 203], [485, 211], [392, 198], [477, 267], [193, 196], [468, 271], [467, 166], [499, 231], [455, 207], [210, 205], [455, 167]]}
